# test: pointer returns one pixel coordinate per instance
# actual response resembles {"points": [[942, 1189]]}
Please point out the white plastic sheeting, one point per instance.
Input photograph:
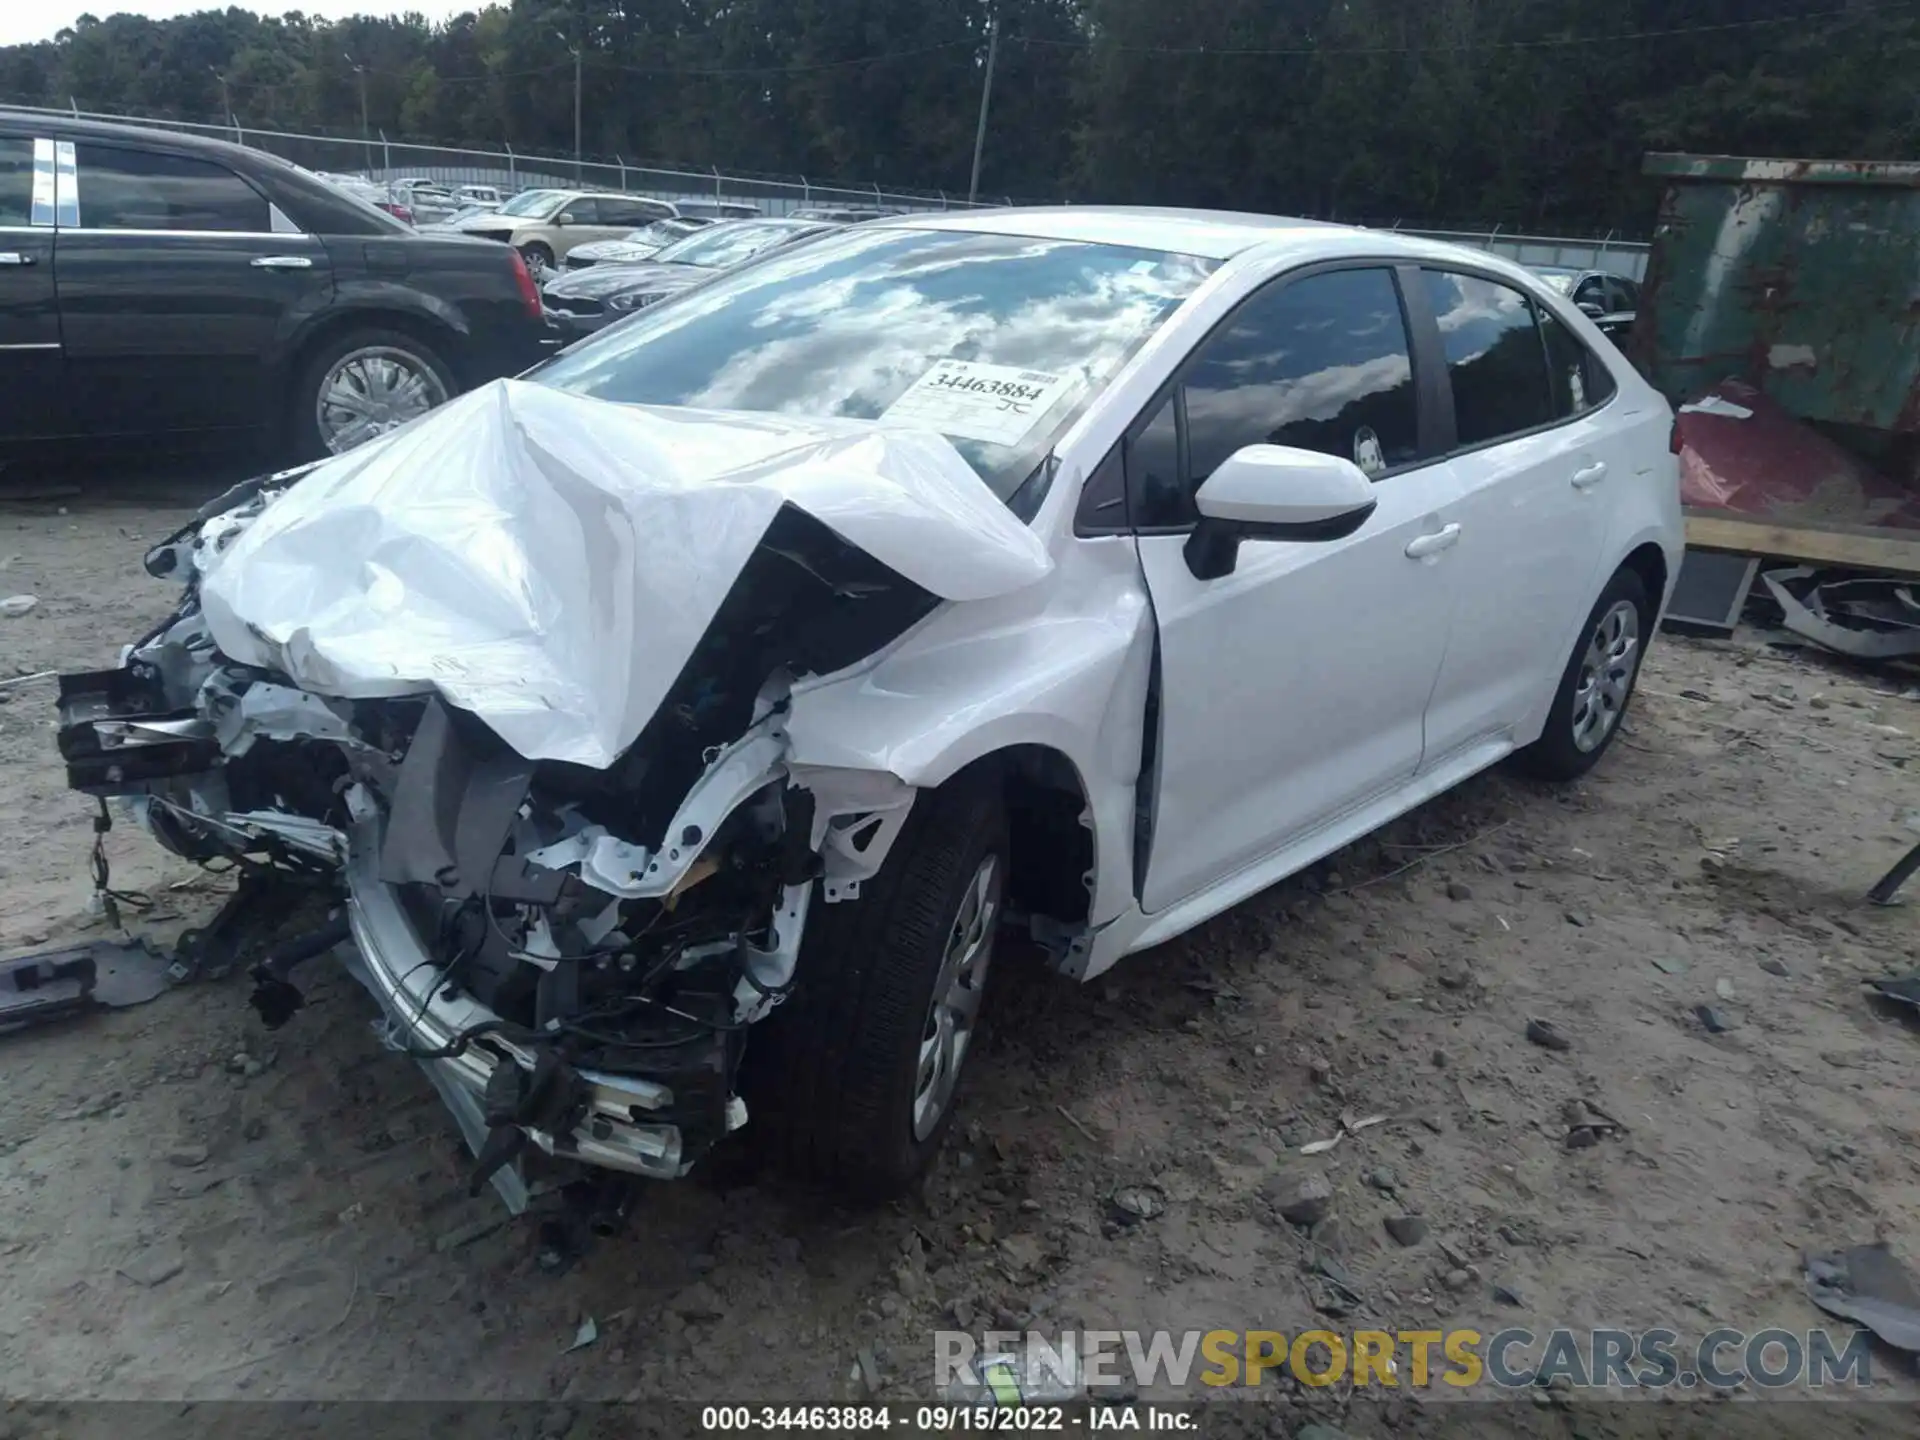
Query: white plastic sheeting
{"points": [[548, 562]]}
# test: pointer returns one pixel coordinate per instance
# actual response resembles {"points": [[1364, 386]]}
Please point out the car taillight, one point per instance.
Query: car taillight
{"points": [[398, 211], [523, 277]]}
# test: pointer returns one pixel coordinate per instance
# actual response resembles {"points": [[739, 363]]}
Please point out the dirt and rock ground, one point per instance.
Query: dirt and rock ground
{"points": [[192, 1208]]}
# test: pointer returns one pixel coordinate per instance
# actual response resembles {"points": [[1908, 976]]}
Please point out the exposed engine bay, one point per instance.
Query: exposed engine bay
{"points": [[577, 955]]}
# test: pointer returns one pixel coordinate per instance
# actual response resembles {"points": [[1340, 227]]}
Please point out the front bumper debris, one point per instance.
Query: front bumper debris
{"points": [[614, 1130]]}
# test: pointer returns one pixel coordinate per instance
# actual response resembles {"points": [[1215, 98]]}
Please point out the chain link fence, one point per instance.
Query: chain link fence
{"points": [[382, 160], [1613, 255]]}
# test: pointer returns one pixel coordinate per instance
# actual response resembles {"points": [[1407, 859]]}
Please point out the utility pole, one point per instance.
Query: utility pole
{"points": [[986, 94], [366, 136], [574, 48], [226, 100]]}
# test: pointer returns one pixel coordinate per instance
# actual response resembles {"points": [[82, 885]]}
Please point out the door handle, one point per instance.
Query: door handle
{"points": [[281, 262], [15, 257], [1590, 476], [1444, 538]]}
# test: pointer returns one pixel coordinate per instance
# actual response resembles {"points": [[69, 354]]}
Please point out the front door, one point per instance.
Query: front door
{"points": [[1531, 458], [31, 364], [178, 283], [1291, 690]]}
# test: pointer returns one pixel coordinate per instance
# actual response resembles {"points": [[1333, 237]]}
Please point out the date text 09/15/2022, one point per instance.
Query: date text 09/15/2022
{"points": [[944, 1419]]}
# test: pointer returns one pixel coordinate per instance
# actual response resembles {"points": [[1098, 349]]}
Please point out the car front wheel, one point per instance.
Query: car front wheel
{"points": [[1596, 685], [539, 257], [857, 1075]]}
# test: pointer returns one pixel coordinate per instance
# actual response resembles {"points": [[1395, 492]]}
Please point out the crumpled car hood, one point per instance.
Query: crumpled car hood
{"points": [[548, 562]]}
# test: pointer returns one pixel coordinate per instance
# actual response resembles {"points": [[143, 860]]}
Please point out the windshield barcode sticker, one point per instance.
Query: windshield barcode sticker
{"points": [[968, 400]]}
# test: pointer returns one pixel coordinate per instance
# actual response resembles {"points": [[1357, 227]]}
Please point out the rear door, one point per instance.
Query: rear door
{"points": [[1531, 457], [178, 283], [31, 365]]}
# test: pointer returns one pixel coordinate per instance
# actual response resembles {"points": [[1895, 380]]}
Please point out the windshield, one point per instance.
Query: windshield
{"points": [[724, 245], [996, 341], [533, 204]]}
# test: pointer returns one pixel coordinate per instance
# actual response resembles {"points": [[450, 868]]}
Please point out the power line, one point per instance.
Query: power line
{"points": [[850, 63], [600, 62], [1544, 43]]}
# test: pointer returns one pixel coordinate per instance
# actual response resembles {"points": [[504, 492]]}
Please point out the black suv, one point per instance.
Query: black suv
{"points": [[164, 287]]}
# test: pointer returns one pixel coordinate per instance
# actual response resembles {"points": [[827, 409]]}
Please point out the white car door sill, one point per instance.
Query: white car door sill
{"points": [[1136, 931]]}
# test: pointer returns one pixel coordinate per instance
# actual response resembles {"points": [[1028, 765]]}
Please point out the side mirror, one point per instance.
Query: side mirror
{"points": [[1274, 492], [1593, 309], [565, 217]]}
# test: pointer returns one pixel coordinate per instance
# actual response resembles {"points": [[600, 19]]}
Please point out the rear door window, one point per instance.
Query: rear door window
{"points": [[16, 181], [125, 189], [1496, 363]]}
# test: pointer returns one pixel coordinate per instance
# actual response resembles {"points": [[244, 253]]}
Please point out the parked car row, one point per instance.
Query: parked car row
{"points": [[158, 286], [581, 301], [163, 287]]}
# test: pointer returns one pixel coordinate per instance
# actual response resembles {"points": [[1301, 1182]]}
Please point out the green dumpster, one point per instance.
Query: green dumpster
{"points": [[1801, 277]]}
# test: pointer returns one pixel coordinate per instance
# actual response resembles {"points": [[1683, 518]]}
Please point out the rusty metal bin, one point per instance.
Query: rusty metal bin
{"points": [[1801, 277]]}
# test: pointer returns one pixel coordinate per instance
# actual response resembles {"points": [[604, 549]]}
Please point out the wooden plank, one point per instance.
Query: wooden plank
{"points": [[1863, 546]]}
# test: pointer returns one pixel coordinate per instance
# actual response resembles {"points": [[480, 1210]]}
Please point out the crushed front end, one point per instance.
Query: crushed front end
{"points": [[576, 956]]}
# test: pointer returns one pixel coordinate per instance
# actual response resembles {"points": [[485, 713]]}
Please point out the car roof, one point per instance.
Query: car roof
{"points": [[1214, 234], [1210, 234], [69, 127]]}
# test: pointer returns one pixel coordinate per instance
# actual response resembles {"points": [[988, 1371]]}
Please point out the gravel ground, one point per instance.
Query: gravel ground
{"points": [[191, 1208]]}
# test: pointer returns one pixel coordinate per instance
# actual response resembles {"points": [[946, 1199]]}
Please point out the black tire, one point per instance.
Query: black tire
{"points": [[832, 1076], [304, 436], [1557, 754], [538, 255]]}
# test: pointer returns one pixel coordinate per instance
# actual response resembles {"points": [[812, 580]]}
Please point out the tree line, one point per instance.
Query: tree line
{"points": [[1530, 113]]}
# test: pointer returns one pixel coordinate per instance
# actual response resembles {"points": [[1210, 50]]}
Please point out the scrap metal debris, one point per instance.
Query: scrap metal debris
{"points": [[1904, 989], [1547, 1036], [48, 985], [1868, 1285], [1741, 452], [1588, 1124], [1886, 889], [1866, 617], [1133, 1203]]}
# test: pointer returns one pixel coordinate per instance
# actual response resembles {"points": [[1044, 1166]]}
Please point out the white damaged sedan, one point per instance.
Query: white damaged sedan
{"points": [[682, 722]]}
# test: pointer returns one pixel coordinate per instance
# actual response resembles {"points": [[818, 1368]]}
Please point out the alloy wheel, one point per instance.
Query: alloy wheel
{"points": [[1606, 675], [953, 1016]]}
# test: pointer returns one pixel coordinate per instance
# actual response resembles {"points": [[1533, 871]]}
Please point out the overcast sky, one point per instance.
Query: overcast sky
{"points": [[40, 19]]}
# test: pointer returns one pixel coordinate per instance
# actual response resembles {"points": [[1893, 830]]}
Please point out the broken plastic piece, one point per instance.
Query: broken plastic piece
{"points": [[1867, 1284], [1868, 618]]}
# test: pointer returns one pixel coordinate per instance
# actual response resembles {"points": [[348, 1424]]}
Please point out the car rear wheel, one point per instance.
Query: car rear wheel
{"points": [[362, 384], [1597, 684], [856, 1077]]}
